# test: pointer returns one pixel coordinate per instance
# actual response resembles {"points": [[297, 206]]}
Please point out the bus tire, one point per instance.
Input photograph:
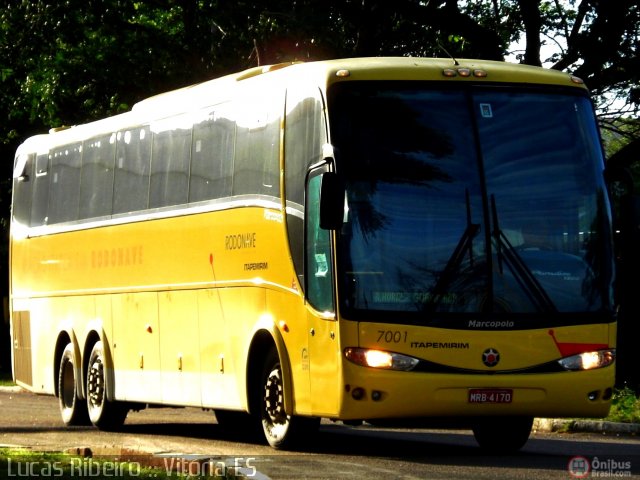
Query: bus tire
{"points": [[282, 431], [103, 413], [72, 408], [502, 434]]}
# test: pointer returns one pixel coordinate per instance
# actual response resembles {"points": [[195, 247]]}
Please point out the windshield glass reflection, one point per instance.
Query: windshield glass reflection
{"points": [[489, 201]]}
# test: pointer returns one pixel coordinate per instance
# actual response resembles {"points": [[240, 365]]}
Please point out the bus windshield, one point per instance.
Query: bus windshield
{"points": [[469, 200]]}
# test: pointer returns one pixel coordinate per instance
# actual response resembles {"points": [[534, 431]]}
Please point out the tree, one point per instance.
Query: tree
{"points": [[72, 61], [64, 62]]}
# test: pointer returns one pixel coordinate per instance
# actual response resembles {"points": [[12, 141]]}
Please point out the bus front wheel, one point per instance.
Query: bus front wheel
{"points": [[281, 430], [72, 409], [103, 413], [502, 434]]}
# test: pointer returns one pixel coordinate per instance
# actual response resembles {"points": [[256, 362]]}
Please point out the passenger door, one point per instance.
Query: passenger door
{"points": [[324, 350]]}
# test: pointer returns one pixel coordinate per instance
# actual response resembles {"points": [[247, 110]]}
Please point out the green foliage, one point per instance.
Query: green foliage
{"points": [[625, 406], [6, 380], [64, 62], [619, 133], [76, 60]]}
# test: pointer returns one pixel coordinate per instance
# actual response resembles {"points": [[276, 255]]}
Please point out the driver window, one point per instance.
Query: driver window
{"points": [[319, 269]]}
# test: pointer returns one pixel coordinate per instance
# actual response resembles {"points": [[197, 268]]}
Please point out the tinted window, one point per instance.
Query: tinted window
{"points": [[65, 183], [487, 201], [212, 157], [256, 164], [131, 188], [96, 183], [304, 137], [40, 205], [22, 188], [305, 133], [170, 165], [319, 272]]}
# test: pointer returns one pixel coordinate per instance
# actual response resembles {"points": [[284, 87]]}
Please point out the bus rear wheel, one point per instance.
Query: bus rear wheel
{"points": [[72, 409], [103, 413], [280, 429], [502, 434]]}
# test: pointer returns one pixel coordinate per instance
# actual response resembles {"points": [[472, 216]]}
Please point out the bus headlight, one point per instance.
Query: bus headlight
{"points": [[589, 360], [380, 359]]}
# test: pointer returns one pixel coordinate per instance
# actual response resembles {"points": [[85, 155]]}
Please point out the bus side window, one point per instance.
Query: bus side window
{"points": [[212, 157], [170, 159], [256, 163], [22, 189], [40, 203], [305, 133], [96, 178], [319, 271], [64, 196], [133, 157]]}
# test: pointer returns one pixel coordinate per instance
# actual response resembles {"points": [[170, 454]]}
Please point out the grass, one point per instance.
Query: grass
{"points": [[15, 462], [6, 380]]}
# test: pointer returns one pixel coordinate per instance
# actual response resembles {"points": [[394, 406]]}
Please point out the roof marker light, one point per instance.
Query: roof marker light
{"points": [[577, 80], [464, 72], [449, 72], [479, 73], [343, 73]]}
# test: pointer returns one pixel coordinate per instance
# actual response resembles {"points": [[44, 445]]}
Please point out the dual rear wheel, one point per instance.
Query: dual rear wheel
{"points": [[96, 409], [73, 409], [280, 429], [103, 413]]}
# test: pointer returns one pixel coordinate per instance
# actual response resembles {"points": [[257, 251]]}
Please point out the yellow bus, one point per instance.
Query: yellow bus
{"points": [[381, 240]]}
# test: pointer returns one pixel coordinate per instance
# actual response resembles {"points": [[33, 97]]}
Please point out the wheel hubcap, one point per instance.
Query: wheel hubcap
{"points": [[95, 384], [274, 399]]}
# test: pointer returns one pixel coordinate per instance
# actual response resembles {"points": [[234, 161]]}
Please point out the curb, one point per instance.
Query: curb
{"points": [[551, 425], [13, 389]]}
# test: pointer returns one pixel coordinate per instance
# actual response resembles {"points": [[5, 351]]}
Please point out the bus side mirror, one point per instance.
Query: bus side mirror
{"points": [[332, 192]]}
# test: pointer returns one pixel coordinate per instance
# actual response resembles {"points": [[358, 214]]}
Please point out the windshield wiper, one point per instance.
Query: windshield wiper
{"points": [[465, 244], [526, 279]]}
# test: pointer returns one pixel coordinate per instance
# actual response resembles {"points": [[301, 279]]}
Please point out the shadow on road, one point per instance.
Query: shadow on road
{"points": [[336, 451], [345, 445]]}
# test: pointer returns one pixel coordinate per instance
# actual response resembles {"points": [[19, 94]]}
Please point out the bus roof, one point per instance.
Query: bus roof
{"points": [[322, 73], [415, 68], [367, 68]]}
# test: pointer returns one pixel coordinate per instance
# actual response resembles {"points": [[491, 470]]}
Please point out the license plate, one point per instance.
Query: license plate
{"points": [[490, 395]]}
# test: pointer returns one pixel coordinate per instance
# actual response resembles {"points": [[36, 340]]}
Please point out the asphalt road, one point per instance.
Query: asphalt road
{"points": [[337, 451]]}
